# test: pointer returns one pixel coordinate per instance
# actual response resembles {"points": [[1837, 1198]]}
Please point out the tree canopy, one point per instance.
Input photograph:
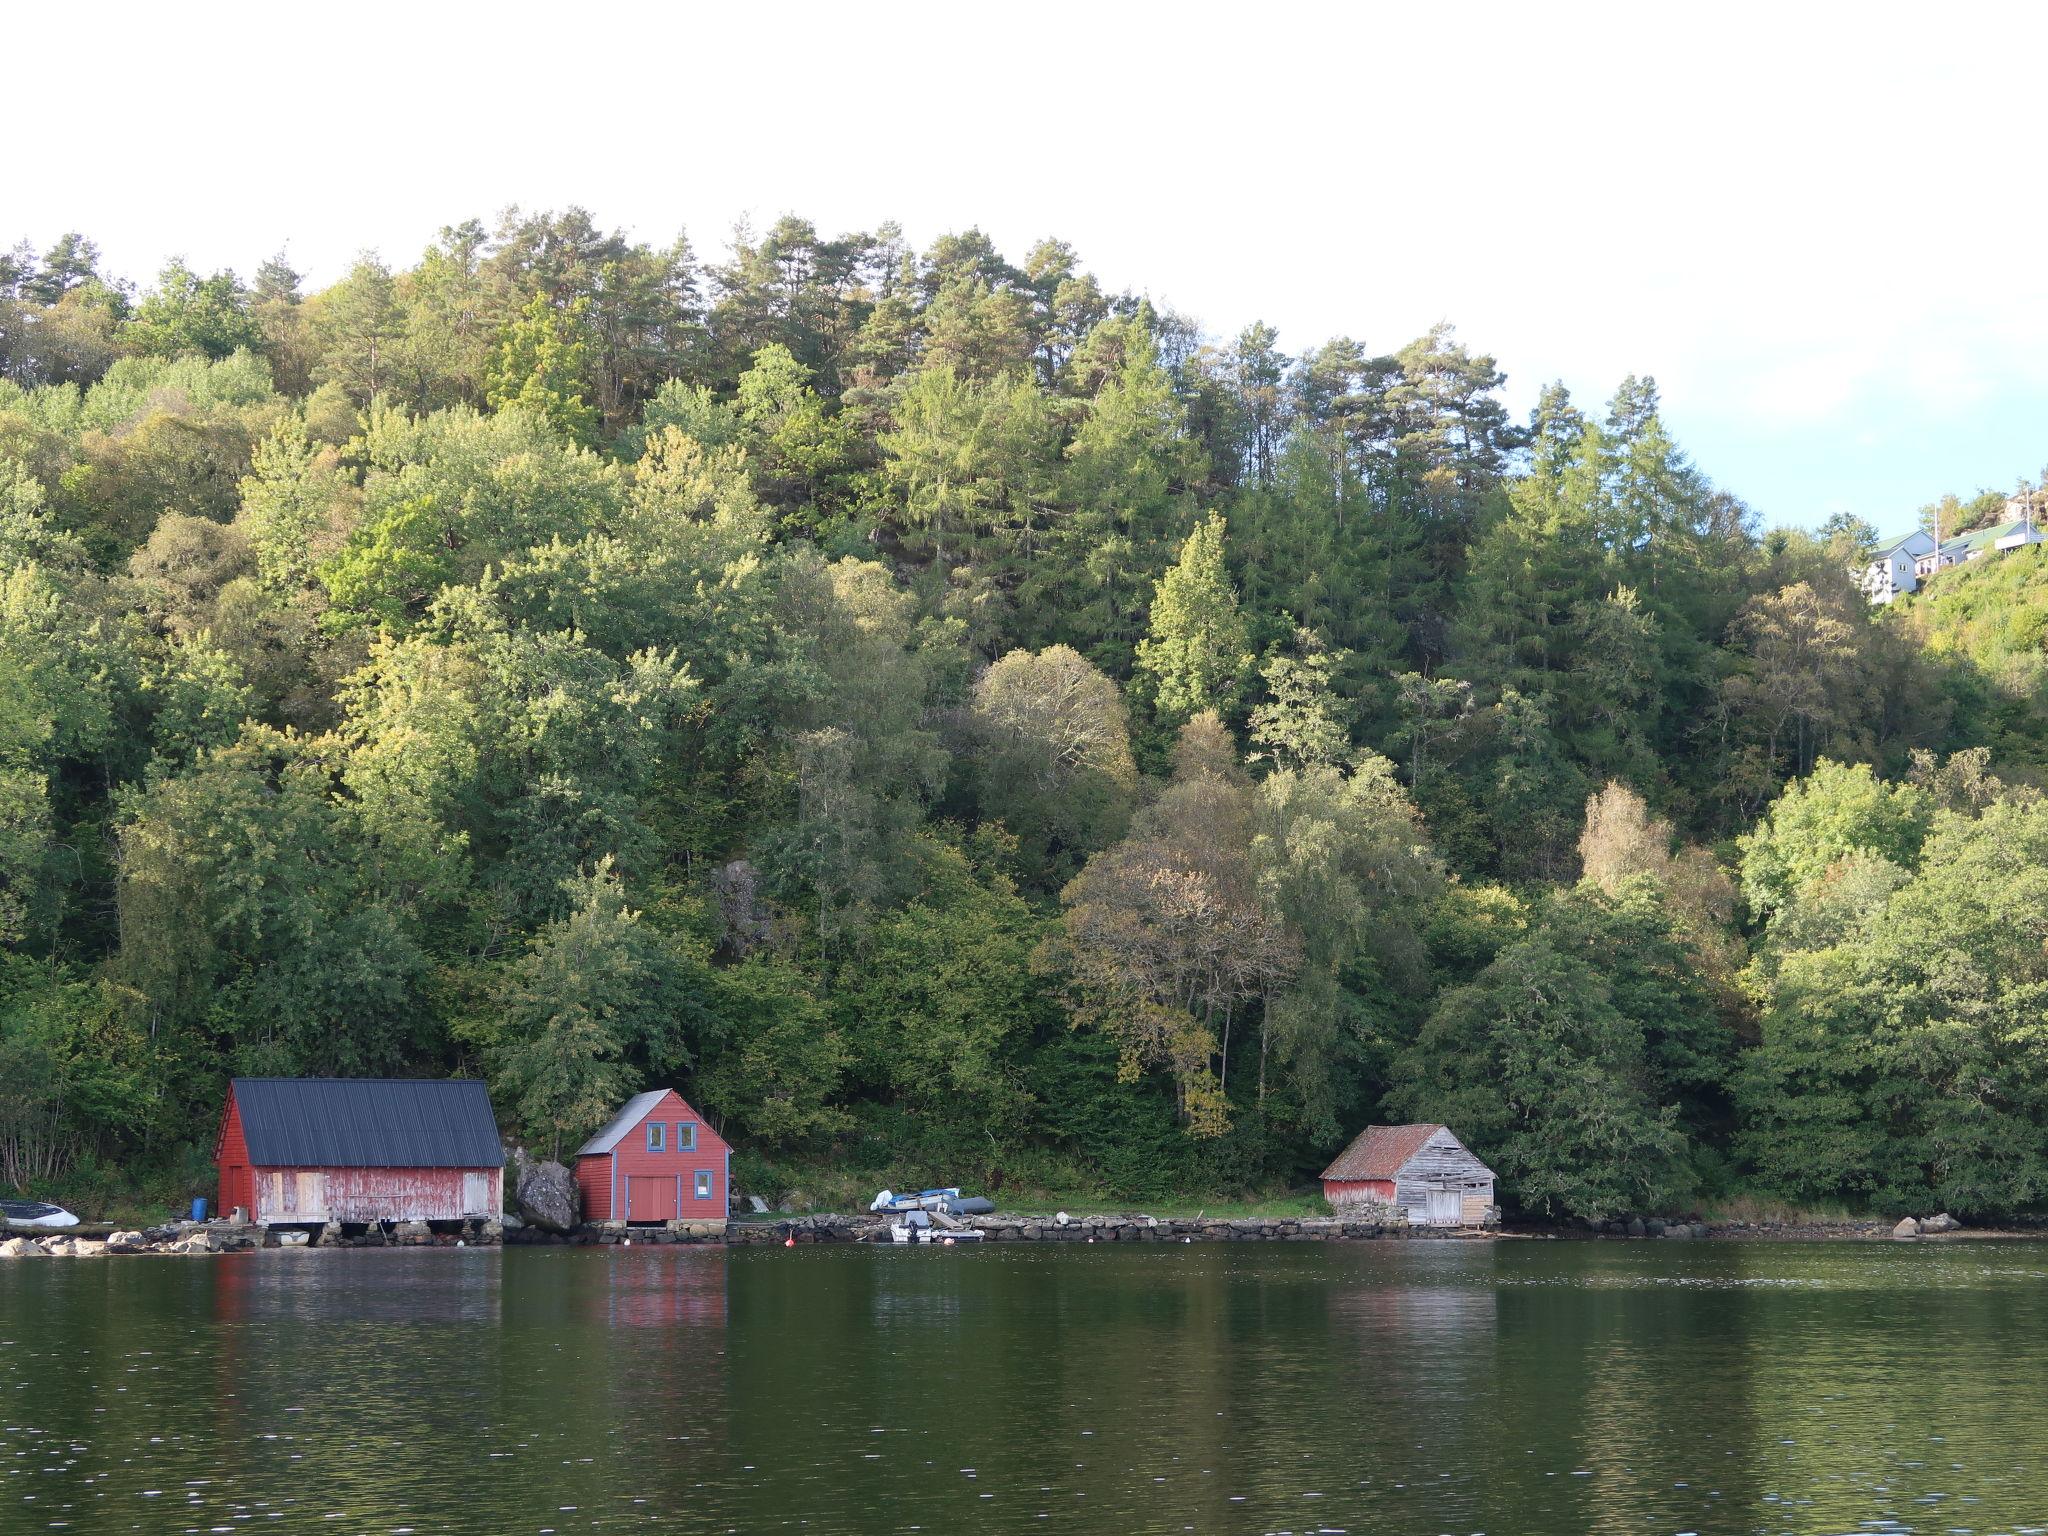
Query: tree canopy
{"points": [[956, 721]]}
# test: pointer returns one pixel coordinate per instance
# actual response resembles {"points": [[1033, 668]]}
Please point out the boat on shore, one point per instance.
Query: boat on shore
{"points": [[921, 1226], [932, 1215], [35, 1216]]}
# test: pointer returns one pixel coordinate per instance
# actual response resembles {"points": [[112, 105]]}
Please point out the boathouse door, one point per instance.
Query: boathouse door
{"points": [[651, 1199], [1445, 1208]]}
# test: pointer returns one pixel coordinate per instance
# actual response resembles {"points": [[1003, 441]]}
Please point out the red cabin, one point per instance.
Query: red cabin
{"points": [[319, 1149], [656, 1161]]}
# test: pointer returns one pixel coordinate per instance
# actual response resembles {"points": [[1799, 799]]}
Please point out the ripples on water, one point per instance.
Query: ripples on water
{"points": [[1515, 1388]]}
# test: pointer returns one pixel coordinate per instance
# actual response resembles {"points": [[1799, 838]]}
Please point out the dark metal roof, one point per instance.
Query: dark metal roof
{"points": [[340, 1122]]}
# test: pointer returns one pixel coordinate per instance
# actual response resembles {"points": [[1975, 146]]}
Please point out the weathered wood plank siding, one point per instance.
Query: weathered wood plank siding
{"points": [[1349, 1192], [1443, 1164], [287, 1195]]}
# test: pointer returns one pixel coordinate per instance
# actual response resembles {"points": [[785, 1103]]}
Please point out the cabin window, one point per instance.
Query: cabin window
{"points": [[654, 1130], [704, 1184], [686, 1137]]}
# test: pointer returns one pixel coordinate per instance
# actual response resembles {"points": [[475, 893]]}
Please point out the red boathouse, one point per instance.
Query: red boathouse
{"points": [[320, 1149], [656, 1161], [1422, 1169]]}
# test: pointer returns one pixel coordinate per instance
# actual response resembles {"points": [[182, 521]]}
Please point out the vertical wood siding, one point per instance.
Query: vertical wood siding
{"points": [[1343, 1192], [376, 1194], [1442, 1164], [231, 1152]]}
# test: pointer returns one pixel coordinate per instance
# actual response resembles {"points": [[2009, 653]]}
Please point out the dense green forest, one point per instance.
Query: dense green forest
{"points": [[951, 719]]}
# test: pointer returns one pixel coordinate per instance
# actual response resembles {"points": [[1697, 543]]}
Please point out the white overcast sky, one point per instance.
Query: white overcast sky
{"points": [[1823, 228]]}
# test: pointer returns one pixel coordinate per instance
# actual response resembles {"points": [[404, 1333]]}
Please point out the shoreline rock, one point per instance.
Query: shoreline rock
{"points": [[545, 1194]]}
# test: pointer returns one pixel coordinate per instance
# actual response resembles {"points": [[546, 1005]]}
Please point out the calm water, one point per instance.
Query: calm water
{"points": [[1517, 1388]]}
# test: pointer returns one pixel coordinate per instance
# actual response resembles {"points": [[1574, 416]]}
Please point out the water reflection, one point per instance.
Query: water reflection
{"points": [[1536, 1388]]}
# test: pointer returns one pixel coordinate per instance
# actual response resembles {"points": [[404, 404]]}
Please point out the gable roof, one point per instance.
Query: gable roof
{"points": [[637, 1109], [1380, 1151], [1900, 542], [343, 1122]]}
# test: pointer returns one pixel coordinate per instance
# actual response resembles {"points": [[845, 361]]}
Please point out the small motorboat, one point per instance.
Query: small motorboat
{"points": [[37, 1215], [905, 1231]]}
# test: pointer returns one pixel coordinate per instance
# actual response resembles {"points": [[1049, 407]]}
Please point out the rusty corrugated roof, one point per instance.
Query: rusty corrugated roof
{"points": [[353, 1122], [1379, 1151]]}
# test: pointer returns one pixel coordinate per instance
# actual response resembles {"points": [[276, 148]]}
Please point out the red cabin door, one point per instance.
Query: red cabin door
{"points": [[651, 1199]]}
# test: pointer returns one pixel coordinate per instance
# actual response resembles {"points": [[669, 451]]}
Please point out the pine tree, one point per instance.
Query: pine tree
{"points": [[1198, 651]]}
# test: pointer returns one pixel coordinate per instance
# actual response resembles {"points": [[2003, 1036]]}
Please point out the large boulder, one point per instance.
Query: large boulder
{"points": [[1942, 1223], [1907, 1229], [20, 1248], [127, 1242], [546, 1196]]}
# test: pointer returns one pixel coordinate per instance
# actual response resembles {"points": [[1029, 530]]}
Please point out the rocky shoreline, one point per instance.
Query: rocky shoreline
{"points": [[229, 1237], [1127, 1228], [186, 1237]]}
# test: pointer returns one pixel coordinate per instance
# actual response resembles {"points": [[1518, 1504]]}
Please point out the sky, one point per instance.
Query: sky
{"points": [[1823, 229]]}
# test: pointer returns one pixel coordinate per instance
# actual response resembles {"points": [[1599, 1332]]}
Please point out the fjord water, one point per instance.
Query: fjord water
{"points": [[1514, 1387]]}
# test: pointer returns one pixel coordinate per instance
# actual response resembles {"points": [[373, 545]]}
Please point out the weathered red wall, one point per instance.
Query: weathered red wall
{"points": [[374, 1194], [1338, 1191], [603, 1173]]}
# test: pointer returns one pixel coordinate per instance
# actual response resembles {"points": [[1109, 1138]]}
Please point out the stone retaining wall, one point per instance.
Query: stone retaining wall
{"points": [[223, 1237], [1085, 1229]]}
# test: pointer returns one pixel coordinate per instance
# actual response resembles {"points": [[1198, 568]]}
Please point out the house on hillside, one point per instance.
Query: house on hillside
{"points": [[313, 1150], [1895, 567], [655, 1162], [1903, 564], [1422, 1169], [1976, 545]]}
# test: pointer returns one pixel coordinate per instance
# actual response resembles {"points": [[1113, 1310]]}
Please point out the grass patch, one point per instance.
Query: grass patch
{"points": [[810, 1188], [1759, 1210], [1292, 1203], [143, 1195]]}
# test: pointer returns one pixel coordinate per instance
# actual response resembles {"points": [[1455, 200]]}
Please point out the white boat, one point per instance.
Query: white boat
{"points": [[918, 1227], [35, 1215]]}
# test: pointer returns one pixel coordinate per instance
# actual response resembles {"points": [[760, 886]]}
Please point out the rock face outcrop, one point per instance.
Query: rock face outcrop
{"points": [[545, 1195]]}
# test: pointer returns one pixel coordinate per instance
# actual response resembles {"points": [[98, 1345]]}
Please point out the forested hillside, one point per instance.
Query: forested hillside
{"points": [[949, 718]]}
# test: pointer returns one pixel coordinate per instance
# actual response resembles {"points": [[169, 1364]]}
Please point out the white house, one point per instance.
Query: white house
{"points": [[1903, 564], [1895, 568]]}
